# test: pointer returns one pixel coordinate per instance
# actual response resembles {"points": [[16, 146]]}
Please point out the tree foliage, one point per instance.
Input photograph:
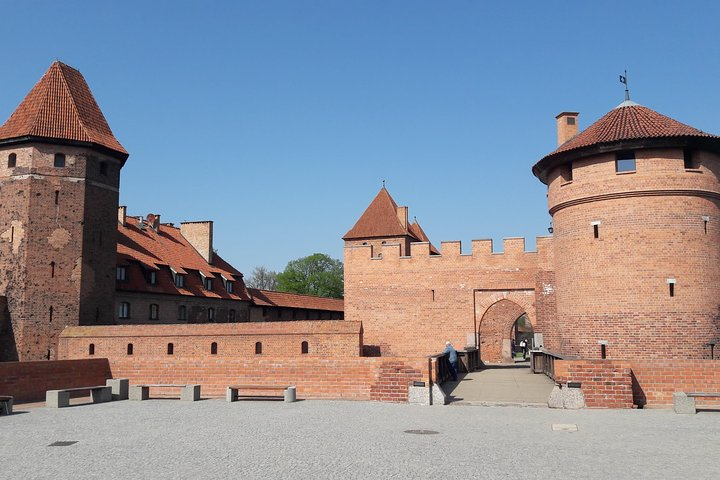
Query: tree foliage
{"points": [[262, 278], [317, 274]]}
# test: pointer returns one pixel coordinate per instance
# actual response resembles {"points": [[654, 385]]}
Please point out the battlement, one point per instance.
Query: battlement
{"points": [[513, 249]]}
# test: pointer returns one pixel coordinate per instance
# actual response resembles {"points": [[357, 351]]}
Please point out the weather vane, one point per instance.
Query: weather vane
{"points": [[383, 183], [623, 79]]}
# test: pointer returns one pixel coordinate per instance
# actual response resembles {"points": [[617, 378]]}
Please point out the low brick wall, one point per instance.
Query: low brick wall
{"points": [[380, 379], [28, 381], [649, 383]]}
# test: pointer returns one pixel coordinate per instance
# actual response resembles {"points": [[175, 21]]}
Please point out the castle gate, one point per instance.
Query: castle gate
{"points": [[496, 313]]}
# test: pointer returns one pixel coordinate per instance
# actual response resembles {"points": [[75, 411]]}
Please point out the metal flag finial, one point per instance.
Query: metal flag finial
{"points": [[383, 183], [624, 80]]}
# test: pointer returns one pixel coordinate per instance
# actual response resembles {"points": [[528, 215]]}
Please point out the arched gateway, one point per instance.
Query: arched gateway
{"points": [[497, 314]]}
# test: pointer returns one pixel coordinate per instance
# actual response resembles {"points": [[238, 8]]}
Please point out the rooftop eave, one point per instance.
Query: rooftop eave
{"points": [[122, 156], [542, 168]]}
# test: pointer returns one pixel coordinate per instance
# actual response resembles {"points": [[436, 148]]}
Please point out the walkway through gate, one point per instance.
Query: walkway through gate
{"points": [[504, 385]]}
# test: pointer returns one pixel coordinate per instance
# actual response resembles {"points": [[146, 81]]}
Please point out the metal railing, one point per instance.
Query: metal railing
{"points": [[543, 361]]}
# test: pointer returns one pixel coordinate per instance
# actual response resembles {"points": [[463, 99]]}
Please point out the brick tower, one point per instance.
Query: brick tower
{"points": [[59, 179], [635, 205]]}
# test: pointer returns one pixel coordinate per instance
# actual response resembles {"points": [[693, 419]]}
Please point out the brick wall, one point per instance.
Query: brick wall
{"points": [[28, 381], [605, 384], [278, 339], [196, 308], [410, 305]]}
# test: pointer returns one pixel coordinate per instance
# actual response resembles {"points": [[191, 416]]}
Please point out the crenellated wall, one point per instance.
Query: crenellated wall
{"points": [[410, 305]]}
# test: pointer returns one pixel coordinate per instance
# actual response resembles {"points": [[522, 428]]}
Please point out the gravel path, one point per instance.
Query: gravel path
{"points": [[326, 439]]}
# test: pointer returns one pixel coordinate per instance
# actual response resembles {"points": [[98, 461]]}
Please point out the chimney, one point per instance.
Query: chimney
{"points": [[567, 126], [153, 220], [200, 236], [402, 213], [122, 213]]}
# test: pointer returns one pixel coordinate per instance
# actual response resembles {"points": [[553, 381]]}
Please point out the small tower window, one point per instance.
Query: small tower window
{"points": [[103, 168], [59, 160], [706, 219], [52, 269], [671, 286], [170, 349], [688, 160], [258, 348], [304, 347], [130, 349], [625, 161], [51, 314], [154, 311], [91, 349], [12, 160], [570, 120], [596, 229], [213, 348], [57, 197]]}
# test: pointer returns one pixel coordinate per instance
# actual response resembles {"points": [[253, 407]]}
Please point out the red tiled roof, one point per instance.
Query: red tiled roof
{"points": [[416, 231], [628, 121], [379, 219], [271, 298], [61, 106], [167, 247]]}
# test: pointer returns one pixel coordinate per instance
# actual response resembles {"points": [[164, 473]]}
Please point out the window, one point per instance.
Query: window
{"points": [[152, 277], [570, 120], [258, 348], [671, 286], [229, 286], [179, 280], [304, 347], [130, 349], [596, 229], [52, 264], [154, 311], [124, 310], [103, 168], [59, 160], [231, 315], [91, 349], [170, 349], [57, 197], [213, 348], [12, 160], [625, 162], [208, 284], [688, 160], [182, 312], [566, 172], [211, 314], [120, 273]]}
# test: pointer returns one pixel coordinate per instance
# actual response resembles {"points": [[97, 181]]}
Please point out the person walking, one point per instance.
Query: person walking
{"points": [[453, 359]]}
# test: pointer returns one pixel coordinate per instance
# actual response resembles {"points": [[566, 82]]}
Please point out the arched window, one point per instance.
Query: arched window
{"points": [[12, 160], [91, 349], [154, 311], [304, 347], [211, 314], [213, 348], [182, 312], [170, 349], [258, 348], [130, 349], [59, 160]]}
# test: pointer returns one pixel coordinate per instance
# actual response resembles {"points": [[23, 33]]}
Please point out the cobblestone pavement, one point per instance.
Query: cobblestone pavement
{"points": [[333, 439]]}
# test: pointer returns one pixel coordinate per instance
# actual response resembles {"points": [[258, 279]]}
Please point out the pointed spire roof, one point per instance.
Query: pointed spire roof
{"points": [[629, 125], [61, 107], [417, 232], [380, 219]]}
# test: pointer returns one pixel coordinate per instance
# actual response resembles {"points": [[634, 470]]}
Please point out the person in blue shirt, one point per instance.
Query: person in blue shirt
{"points": [[453, 359]]}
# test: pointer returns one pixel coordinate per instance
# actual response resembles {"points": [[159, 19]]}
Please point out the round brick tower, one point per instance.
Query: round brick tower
{"points": [[635, 205]]}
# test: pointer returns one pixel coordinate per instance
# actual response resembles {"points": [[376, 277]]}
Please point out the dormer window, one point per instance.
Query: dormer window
{"points": [[229, 286], [12, 160], [178, 278], [152, 277], [59, 160], [208, 283], [120, 274], [625, 161]]}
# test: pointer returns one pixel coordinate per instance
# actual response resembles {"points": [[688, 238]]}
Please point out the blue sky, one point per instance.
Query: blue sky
{"points": [[280, 119]]}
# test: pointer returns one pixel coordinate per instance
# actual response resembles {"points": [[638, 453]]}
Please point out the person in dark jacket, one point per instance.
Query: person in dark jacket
{"points": [[453, 359]]}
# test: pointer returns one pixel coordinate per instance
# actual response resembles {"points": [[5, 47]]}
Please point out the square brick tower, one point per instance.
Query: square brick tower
{"points": [[59, 183]]}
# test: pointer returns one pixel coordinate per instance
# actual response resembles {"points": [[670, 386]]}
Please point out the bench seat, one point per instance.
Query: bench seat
{"points": [[61, 398], [684, 402], [233, 391], [188, 393], [6, 405]]}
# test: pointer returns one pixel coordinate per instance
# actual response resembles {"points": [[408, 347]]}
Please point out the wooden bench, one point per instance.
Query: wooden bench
{"points": [[6, 405], [684, 402], [188, 393], [234, 391], [61, 398]]}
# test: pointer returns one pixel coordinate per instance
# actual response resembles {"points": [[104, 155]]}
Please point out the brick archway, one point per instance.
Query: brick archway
{"points": [[497, 313]]}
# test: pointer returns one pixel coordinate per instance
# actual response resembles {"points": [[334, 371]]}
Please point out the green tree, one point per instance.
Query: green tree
{"points": [[317, 274]]}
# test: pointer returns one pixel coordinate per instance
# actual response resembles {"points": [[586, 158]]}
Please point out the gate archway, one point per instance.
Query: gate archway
{"points": [[498, 314]]}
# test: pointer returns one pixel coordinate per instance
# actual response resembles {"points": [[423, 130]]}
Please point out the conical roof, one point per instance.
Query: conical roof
{"points": [[61, 107], [628, 121], [380, 219]]}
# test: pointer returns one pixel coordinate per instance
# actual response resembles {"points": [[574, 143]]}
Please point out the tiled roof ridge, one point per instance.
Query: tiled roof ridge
{"points": [[293, 293], [73, 103]]}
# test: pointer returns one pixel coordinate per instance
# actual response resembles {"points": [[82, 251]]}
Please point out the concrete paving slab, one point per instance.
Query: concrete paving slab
{"points": [[513, 384]]}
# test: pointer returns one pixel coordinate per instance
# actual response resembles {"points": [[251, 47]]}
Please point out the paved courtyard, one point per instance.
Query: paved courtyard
{"points": [[335, 439]]}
